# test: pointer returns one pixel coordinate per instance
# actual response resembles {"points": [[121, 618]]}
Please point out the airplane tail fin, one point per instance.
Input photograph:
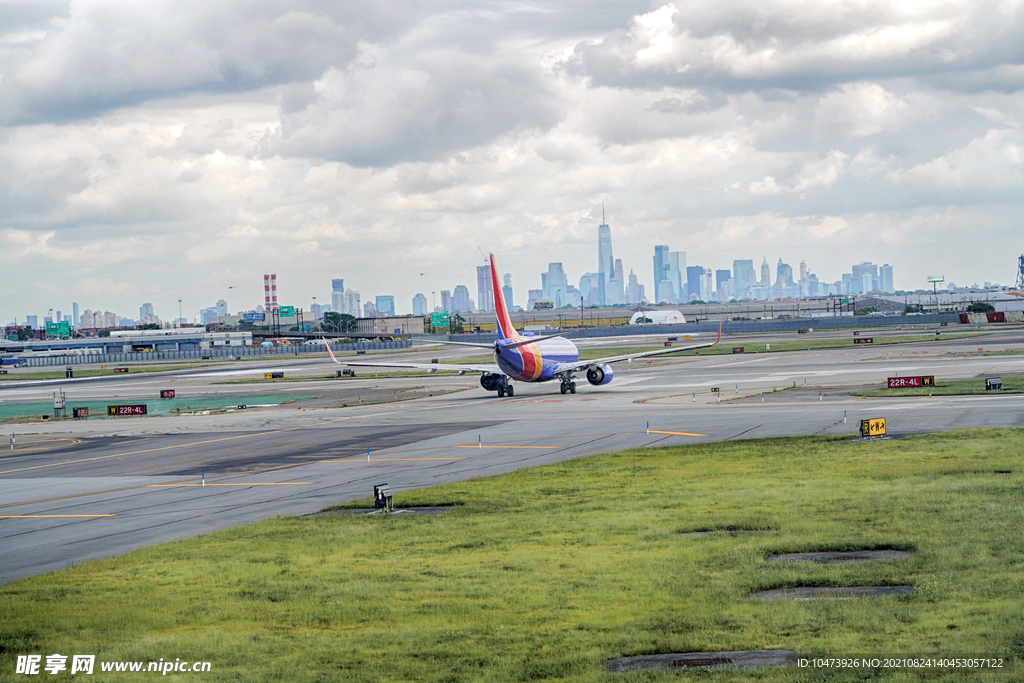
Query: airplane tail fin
{"points": [[505, 329], [338, 362]]}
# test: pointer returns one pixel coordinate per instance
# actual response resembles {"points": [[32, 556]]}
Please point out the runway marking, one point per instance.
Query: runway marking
{"points": [[383, 460], [508, 447], [17, 450], [655, 431], [255, 483], [48, 516]]}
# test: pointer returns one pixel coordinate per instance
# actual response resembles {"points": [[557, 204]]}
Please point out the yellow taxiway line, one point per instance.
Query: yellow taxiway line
{"points": [[38, 516], [657, 431]]}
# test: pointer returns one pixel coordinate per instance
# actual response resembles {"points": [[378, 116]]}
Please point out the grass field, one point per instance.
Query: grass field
{"points": [[543, 573], [726, 347], [965, 387], [22, 375]]}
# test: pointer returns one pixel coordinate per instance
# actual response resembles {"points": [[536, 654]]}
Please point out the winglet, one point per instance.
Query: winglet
{"points": [[329, 351]]}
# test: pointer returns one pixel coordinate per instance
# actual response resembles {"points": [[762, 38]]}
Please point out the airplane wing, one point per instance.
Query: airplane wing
{"points": [[429, 367], [580, 364]]}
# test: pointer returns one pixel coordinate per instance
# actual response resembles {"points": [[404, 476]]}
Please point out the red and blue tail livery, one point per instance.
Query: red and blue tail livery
{"points": [[528, 358]]}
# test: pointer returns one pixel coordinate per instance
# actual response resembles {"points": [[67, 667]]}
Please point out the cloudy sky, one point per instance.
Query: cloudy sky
{"points": [[156, 150]]}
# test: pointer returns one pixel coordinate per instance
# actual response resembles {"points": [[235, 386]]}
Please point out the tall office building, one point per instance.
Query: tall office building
{"points": [[721, 277], [484, 288], [556, 287], [615, 290], [589, 290], [338, 296], [74, 314], [385, 304], [694, 274], [677, 274], [352, 305], [446, 300], [222, 307], [783, 276], [859, 271], [605, 260], [460, 299], [743, 276], [32, 321], [506, 290], [885, 282], [369, 310], [145, 310], [766, 273], [634, 290], [661, 266], [419, 305]]}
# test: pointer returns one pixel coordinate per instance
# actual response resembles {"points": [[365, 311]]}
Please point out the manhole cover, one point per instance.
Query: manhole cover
{"points": [[740, 659], [841, 557], [831, 592]]}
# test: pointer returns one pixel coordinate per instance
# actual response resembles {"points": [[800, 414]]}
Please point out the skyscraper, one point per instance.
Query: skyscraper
{"points": [[885, 278], [661, 265], [859, 271], [766, 273], [484, 288], [506, 290], [677, 273], [222, 307], [446, 300], [352, 305], [419, 304], [338, 296], [385, 303], [74, 314], [605, 261], [145, 310], [743, 276], [694, 274], [556, 287], [460, 299], [634, 290], [615, 290]]}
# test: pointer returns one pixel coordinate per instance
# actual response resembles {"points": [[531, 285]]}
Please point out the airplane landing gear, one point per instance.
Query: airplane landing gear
{"points": [[510, 390], [568, 386], [501, 391]]}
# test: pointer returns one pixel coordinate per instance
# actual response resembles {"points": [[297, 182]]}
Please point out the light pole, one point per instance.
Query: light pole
{"points": [[179, 313]]}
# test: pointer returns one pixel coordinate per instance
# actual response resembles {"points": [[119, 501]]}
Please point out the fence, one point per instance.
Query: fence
{"points": [[209, 354]]}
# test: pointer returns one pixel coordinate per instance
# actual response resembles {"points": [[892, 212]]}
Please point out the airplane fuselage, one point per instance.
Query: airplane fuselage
{"points": [[534, 362]]}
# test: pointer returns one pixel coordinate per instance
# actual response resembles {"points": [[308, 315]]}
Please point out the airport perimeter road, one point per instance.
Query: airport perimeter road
{"points": [[75, 491]]}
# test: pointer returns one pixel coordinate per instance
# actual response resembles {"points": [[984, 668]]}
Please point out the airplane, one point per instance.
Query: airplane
{"points": [[529, 358]]}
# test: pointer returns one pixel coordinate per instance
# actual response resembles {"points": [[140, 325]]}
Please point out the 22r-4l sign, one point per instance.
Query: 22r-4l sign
{"points": [[904, 382]]}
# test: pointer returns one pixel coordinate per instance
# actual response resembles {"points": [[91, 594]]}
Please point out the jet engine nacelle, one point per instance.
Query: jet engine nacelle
{"points": [[490, 382], [599, 375]]}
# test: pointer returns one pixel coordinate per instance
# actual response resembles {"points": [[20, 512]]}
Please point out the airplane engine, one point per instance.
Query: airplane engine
{"points": [[601, 375], [490, 382]]}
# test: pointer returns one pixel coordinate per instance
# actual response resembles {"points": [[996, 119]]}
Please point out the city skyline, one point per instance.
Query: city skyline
{"points": [[726, 130]]}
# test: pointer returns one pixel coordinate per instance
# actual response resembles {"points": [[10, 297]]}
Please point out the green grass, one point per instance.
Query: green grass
{"points": [[726, 347], [543, 573], [100, 372], [965, 387]]}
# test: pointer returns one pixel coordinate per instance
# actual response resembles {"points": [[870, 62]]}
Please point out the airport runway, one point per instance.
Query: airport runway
{"points": [[74, 491]]}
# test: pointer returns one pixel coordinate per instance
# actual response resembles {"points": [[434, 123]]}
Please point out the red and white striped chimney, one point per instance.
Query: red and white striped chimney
{"points": [[273, 290], [266, 292]]}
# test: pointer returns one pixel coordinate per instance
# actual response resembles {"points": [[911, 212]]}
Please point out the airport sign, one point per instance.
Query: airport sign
{"points": [[286, 311], [167, 393], [875, 427], [79, 413], [439, 319], [127, 410], [253, 317], [864, 340], [904, 382]]}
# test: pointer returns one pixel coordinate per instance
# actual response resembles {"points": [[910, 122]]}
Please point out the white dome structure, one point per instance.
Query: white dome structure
{"points": [[669, 317]]}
